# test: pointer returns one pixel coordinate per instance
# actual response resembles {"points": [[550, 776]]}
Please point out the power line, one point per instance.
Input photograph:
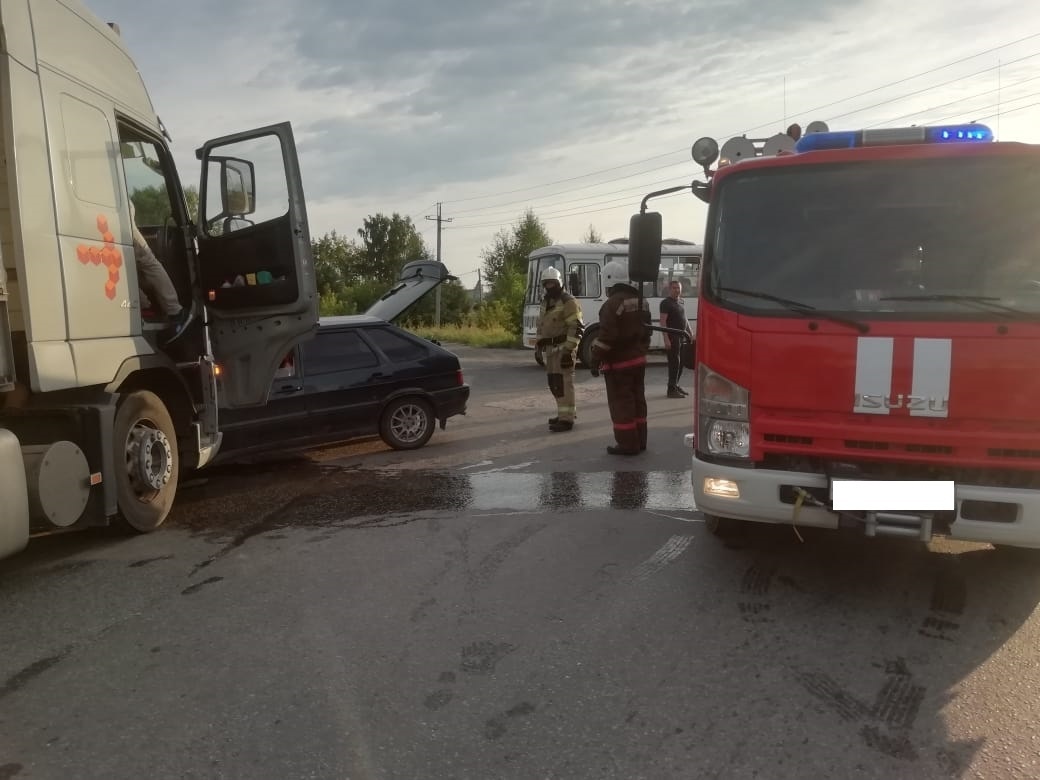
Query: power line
{"points": [[440, 220], [757, 127], [744, 132], [559, 216], [928, 110]]}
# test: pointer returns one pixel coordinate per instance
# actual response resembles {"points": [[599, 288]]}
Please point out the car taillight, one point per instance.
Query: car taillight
{"points": [[458, 378]]}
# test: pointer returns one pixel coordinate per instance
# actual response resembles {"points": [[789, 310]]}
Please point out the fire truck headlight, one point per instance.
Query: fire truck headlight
{"points": [[722, 411], [719, 397], [728, 438]]}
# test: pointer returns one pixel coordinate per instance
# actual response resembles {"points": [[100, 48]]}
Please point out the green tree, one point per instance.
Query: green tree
{"points": [[152, 205], [505, 266], [388, 244], [191, 197], [592, 236], [337, 263]]}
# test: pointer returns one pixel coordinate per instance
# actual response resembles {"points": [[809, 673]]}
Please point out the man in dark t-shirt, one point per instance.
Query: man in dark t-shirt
{"points": [[673, 315]]}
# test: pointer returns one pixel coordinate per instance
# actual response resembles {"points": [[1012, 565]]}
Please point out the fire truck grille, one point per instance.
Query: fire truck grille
{"points": [[1030, 454], [987, 477]]}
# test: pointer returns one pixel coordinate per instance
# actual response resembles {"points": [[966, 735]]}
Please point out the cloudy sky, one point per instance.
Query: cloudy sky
{"points": [[575, 108]]}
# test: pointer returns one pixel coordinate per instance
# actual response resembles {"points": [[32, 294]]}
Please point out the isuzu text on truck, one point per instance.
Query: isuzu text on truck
{"points": [[103, 404], [869, 333]]}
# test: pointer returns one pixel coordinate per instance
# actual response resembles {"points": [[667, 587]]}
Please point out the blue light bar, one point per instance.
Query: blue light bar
{"points": [[851, 139], [959, 133], [839, 139]]}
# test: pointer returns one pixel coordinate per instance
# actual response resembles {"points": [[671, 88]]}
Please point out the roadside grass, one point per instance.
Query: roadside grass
{"points": [[470, 335]]}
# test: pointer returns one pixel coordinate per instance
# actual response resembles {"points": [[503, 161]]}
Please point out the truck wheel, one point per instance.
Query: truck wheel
{"points": [[723, 527], [406, 423], [585, 347], [147, 461]]}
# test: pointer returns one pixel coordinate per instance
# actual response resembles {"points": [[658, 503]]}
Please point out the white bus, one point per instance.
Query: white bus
{"points": [[582, 269]]}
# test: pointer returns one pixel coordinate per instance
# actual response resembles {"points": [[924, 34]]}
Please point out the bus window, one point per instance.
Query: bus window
{"points": [[583, 280]]}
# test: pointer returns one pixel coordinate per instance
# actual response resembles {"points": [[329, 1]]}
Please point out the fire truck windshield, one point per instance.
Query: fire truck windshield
{"points": [[952, 237]]}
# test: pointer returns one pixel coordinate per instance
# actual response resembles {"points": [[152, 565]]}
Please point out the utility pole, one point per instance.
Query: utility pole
{"points": [[439, 219], [480, 287]]}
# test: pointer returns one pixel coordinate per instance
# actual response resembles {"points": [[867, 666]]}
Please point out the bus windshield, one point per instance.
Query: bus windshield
{"points": [[534, 275], [951, 236]]}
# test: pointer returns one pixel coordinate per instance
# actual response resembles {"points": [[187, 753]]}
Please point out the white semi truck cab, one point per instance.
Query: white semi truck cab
{"points": [[104, 401]]}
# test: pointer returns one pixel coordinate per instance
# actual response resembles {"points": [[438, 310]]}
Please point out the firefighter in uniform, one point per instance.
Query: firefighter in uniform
{"points": [[619, 352], [559, 330]]}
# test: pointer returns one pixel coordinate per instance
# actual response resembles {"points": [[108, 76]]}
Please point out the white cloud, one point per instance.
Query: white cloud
{"points": [[397, 105]]}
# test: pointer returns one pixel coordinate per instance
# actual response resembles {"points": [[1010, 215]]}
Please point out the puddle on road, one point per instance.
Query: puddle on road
{"points": [[397, 492], [306, 495]]}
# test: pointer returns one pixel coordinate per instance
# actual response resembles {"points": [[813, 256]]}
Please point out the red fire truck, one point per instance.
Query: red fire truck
{"points": [[869, 333]]}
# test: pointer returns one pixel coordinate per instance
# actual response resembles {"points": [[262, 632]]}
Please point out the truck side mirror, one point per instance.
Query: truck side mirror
{"points": [[237, 186], [644, 246]]}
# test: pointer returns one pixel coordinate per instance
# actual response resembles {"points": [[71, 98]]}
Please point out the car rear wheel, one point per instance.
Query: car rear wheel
{"points": [[407, 423]]}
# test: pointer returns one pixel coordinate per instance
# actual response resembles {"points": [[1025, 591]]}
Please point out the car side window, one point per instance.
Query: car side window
{"points": [[337, 351], [398, 348]]}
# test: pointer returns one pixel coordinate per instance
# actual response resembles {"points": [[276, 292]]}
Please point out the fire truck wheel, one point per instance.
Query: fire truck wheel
{"points": [[147, 461], [722, 526]]}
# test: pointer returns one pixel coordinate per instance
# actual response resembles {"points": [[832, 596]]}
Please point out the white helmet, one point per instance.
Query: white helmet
{"points": [[615, 272], [551, 274]]}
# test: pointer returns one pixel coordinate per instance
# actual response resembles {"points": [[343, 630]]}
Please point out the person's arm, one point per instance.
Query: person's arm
{"points": [[664, 323], [608, 330], [571, 317]]}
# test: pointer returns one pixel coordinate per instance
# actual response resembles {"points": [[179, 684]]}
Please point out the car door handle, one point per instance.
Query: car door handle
{"points": [[377, 375], [288, 389]]}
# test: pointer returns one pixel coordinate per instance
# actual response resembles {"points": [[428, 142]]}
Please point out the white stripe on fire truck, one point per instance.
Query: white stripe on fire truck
{"points": [[932, 359], [873, 372]]}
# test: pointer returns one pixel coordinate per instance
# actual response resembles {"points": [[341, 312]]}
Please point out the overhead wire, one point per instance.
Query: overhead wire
{"points": [[462, 214], [683, 149]]}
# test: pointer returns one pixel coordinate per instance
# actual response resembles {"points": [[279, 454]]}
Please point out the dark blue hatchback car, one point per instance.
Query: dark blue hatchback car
{"points": [[360, 375]]}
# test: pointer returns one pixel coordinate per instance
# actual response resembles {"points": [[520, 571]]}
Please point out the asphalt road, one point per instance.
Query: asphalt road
{"points": [[508, 603]]}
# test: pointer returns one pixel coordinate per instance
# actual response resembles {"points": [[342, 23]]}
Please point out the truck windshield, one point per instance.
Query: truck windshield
{"points": [[954, 237]]}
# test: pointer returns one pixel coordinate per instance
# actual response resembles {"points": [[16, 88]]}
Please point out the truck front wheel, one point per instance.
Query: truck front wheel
{"points": [[147, 461]]}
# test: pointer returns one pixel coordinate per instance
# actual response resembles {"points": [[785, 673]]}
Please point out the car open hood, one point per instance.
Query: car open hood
{"points": [[416, 280]]}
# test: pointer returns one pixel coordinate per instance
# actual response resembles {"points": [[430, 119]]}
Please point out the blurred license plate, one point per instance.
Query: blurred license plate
{"points": [[854, 495]]}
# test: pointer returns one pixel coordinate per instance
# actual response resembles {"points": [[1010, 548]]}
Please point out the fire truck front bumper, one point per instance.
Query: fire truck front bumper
{"points": [[996, 515]]}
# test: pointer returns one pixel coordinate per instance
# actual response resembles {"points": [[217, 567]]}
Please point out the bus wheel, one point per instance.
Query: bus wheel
{"points": [[147, 461], [585, 348]]}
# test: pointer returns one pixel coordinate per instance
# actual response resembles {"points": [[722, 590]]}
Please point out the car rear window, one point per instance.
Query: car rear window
{"points": [[396, 346], [337, 351]]}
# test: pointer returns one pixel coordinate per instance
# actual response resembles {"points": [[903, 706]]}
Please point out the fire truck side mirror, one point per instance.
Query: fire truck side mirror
{"points": [[644, 246]]}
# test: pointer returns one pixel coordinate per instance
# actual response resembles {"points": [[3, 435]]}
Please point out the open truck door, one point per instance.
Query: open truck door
{"points": [[256, 269]]}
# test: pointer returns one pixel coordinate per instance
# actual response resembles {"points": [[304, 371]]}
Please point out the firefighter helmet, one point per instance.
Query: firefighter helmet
{"points": [[551, 274], [615, 272]]}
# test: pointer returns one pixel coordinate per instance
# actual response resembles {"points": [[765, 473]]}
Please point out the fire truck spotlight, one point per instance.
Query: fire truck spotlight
{"points": [[705, 151], [721, 488]]}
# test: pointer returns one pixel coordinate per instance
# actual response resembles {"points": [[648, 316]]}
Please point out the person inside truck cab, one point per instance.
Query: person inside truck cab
{"points": [[154, 280]]}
